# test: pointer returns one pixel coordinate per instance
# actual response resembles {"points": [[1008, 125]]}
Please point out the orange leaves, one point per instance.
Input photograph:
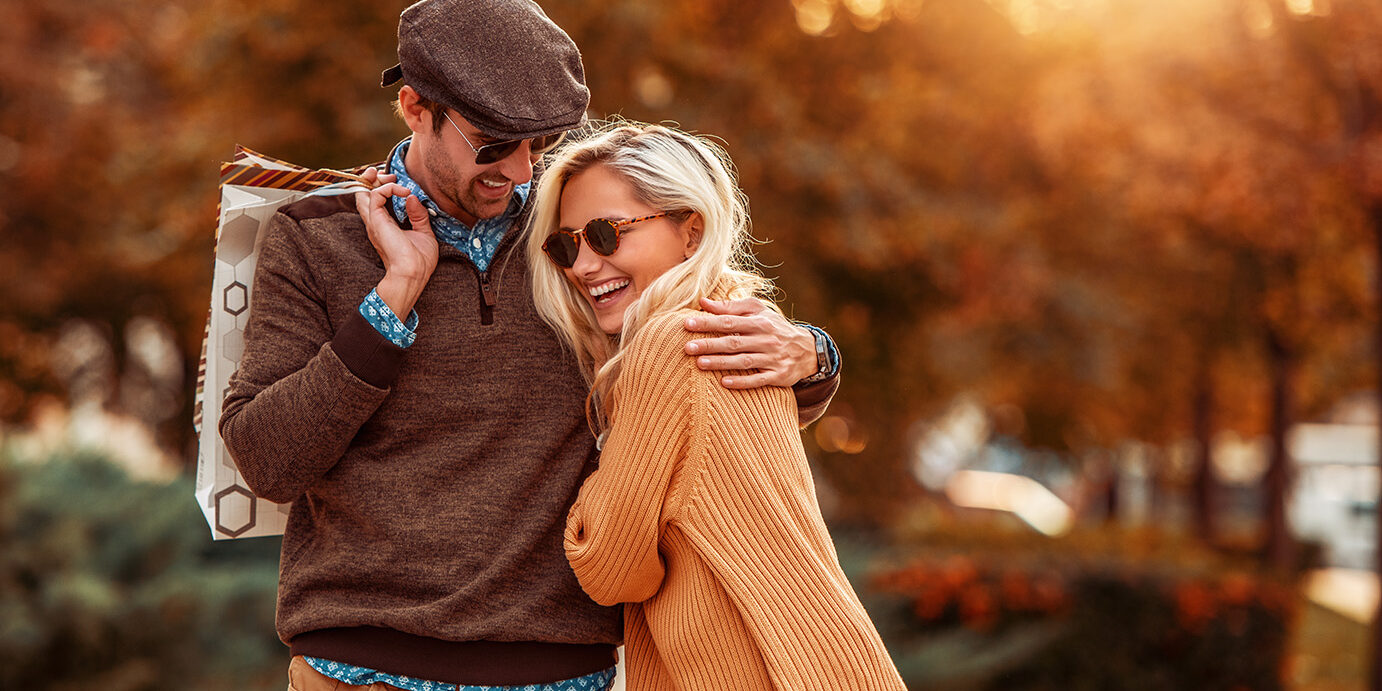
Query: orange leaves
{"points": [[985, 594], [1062, 219], [1228, 600], [957, 588]]}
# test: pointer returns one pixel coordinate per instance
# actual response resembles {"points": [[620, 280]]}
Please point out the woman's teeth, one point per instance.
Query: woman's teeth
{"points": [[607, 288]]}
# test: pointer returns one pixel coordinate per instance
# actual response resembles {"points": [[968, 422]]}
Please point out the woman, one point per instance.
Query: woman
{"points": [[702, 514]]}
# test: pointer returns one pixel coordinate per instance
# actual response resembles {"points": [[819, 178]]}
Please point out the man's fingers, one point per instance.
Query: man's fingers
{"points": [[742, 361], [367, 203], [417, 215], [380, 195], [751, 381], [372, 206], [376, 202], [760, 339], [725, 323], [734, 343]]}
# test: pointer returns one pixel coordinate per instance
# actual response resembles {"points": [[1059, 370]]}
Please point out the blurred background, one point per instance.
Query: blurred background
{"points": [[1104, 274]]}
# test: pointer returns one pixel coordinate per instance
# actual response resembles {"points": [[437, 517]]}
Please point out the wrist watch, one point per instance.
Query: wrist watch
{"points": [[822, 358]]}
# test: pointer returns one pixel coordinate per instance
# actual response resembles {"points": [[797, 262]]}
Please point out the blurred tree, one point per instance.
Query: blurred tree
{"points": [[1076, 220], [1234, 241], [1098, 217], [881, 170], [113, 117], [114, 584], [1339, 60], [1108, 221]]}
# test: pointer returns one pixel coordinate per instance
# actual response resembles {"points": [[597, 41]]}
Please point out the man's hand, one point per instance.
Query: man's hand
{"points": [[373, 178], [410, 256], [760, 339]]}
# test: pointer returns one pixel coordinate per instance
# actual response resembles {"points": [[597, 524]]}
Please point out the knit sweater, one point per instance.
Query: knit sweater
{"points": [[703, 515], [429, 485]]}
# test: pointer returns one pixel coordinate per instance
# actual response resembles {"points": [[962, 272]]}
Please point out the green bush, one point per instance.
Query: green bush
{"points": [[110, 583], [996, 609]]}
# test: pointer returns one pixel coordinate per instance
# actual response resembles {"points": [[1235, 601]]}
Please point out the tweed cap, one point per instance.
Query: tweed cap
{"points": [[502, 64]]}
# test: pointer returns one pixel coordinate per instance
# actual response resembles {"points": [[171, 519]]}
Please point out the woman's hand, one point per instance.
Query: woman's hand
{"points": [[760, 339]]}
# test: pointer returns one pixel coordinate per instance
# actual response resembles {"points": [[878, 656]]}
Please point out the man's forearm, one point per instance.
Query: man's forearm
{"points": [[305, 383], [286, 434]]}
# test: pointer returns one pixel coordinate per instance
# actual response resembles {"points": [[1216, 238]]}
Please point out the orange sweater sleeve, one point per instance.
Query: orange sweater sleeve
{"points": [[613, 529], [728, 470]]}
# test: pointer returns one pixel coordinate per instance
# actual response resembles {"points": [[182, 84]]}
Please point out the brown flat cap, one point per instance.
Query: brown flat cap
{"points": [[502, 64]]}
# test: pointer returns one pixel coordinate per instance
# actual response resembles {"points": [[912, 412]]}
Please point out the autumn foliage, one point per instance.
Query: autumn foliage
{"points": [[1108, 609], [1085, 213], [1103, 220]]}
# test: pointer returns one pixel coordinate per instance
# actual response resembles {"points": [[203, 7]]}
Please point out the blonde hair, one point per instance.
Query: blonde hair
{"points": [[672, 171]]}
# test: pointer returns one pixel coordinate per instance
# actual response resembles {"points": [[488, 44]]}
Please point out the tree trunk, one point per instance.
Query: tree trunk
{"points": [[1205, 486], [1111, 497], [1375, 668], [1280, 547]]}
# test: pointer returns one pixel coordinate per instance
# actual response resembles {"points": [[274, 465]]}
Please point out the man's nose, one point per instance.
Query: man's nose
{"points": [[518, 166]]}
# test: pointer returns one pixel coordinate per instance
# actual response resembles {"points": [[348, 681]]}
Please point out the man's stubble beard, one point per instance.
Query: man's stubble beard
{"points": [[461, 193]]}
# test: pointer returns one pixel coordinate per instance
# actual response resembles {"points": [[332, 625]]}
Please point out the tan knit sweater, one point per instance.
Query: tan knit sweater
{"points": [[704, 517]]}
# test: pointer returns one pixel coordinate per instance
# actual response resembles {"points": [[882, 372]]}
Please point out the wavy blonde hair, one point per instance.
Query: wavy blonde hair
{"points": [[670, 170]]}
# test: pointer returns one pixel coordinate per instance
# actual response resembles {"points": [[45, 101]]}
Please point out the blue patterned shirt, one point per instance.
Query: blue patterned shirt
{"points": [[361, 676], [478, 243], [381, 317]]}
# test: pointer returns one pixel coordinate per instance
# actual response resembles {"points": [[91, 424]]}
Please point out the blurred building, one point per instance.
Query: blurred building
{"points": [[1334, 496]]}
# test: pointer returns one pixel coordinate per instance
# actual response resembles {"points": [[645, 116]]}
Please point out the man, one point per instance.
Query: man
{"points": [[430, 459]]}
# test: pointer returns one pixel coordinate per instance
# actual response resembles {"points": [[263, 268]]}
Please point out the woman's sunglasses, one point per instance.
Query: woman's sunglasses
{"points": [[499, 151], [601, 233]]}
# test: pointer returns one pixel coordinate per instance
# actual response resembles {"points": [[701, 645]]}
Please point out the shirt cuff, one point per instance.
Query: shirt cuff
{"points": [[377, 313]]}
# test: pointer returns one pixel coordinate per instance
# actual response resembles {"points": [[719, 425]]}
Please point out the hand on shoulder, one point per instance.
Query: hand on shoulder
{"points": [[753, 338]]}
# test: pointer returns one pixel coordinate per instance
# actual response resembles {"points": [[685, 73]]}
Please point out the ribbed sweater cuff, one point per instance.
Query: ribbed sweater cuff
{"points": [[813, 398], [470, 663], [367, 353]]}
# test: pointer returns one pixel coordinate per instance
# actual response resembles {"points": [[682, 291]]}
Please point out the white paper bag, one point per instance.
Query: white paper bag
{"points": [[253, 187]]}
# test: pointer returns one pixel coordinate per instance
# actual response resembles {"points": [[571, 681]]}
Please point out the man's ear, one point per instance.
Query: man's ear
{"points": [[418, 118], [692, 229]]}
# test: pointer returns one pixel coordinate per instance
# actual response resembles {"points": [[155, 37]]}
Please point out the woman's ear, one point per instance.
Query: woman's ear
{"points": [[691, 231]]}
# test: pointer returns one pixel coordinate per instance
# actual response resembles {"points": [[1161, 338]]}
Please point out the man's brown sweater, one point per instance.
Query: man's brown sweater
{"points": [[429, 486]]}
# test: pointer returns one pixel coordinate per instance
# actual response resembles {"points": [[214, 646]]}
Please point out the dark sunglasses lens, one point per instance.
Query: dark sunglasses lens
{"points": [[542, 145], [602, 236], [498, 151], [561, 249]]}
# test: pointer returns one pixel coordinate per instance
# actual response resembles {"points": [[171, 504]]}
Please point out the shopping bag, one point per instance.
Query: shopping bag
{"points": [[253, 187]]}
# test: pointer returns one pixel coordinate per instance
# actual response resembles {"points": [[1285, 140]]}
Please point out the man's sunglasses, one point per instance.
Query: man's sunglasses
{"points": [[601, 233], [499, 151]]}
